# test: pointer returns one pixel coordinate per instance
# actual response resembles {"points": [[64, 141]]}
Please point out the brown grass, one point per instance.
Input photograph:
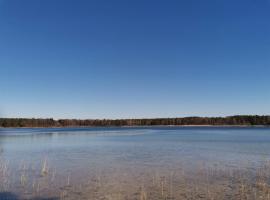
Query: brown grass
{"points": [[210, 183]]}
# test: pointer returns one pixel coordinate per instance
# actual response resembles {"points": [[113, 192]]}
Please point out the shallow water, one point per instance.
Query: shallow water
{"points": [[80, 153]]}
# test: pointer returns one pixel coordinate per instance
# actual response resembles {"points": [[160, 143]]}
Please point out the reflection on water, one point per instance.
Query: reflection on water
{"points": [[141, 146], [78, 155]]}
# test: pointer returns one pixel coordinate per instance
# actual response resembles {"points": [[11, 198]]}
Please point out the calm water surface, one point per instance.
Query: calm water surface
{"points": [[74, 149], [108, 162]]}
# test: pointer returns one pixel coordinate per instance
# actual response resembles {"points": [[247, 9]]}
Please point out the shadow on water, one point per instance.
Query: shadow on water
{"points": [[11, 196]]}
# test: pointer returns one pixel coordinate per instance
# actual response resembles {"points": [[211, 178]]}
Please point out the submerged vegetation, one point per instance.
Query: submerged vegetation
{"points": [[244, 120]]}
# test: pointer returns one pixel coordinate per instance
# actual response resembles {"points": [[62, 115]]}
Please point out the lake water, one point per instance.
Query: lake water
{"points": [[77, 154]]}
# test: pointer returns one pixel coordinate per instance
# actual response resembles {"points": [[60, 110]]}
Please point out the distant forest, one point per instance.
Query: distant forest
{"points": [[216, 121]]}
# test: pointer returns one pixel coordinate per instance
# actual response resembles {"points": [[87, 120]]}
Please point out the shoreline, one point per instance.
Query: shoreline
{"points": [[146, 126]]}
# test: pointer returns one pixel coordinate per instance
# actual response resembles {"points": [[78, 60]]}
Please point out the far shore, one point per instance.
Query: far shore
{"points": [[146, 126], [229, 121]]}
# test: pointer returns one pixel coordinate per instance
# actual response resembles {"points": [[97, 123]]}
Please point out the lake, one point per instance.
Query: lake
{"points": [[131, 163]]}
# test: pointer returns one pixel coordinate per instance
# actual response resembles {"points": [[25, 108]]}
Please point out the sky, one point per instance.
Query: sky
{"points": [[134, 58]]}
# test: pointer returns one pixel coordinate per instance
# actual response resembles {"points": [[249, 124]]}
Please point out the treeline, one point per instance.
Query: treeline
{"points": [[218, 121]]}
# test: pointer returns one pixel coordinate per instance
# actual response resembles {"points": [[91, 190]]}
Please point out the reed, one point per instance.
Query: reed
{"points": [[44, 169], [209, 183]]}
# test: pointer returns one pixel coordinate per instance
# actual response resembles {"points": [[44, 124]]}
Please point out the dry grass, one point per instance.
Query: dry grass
{"points": [[210, 183]]}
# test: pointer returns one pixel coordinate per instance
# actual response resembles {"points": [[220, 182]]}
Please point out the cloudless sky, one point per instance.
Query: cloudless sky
{"points": [[134, 58]]}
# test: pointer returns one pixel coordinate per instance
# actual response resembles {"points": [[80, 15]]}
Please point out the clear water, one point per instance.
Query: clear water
{"points": [[125, 158], [74, 149]]}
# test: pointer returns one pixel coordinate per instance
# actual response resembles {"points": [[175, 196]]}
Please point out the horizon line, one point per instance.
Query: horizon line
{"points": [[189, 116]]}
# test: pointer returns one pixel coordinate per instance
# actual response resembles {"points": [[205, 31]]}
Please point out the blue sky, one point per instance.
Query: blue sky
{"points": [[134, 58]]}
